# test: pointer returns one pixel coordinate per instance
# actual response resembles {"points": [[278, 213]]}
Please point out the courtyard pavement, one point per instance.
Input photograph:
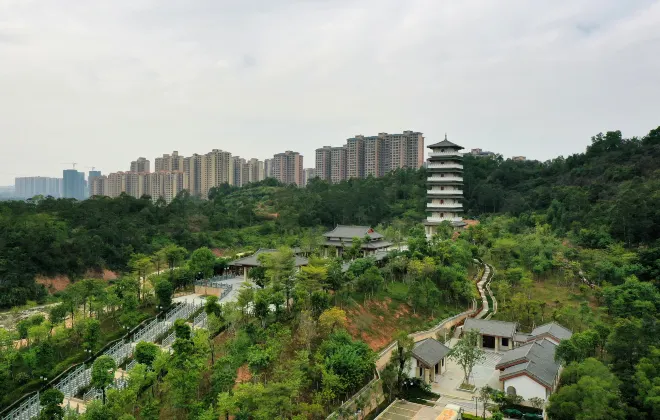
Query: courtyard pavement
{"points": [[231, 296], [483, 374]]}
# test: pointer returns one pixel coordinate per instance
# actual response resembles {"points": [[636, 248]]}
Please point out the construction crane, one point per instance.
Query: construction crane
{"points": [[91, 167], [70, 163]]}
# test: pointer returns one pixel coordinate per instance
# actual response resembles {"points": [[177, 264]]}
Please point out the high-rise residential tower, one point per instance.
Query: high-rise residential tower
{"points": [[238, 171], [192, 174], [28, 187], [172, 162], [217, 169], [355, 157], [370, 156], [308, 174], [337, 164], [323, 168], [288, 168], [91, 176], [73, 184], [141, 165], [445, 183], [268, 168]]}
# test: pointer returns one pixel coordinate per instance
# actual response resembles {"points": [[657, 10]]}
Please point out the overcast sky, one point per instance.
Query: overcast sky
{"points": [[103, 82]]}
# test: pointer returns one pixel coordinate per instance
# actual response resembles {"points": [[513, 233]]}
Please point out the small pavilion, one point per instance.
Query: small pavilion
{"points": [[253, 261]]}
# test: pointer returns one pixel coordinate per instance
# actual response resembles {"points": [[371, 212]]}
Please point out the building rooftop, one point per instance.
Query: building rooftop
{"points": [[350, 232], [429, 351], [553, 329], [535, 359], [445, 143], [253, 261], [491, 327]]}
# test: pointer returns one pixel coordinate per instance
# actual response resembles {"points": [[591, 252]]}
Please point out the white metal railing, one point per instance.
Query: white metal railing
{"points": [[443, 206], [451, 153], [92, 394], [445, 166], [445, 178], [201, 320], [445, 192], [30, 408], [167, 341], [81, 377], [443, 219]]}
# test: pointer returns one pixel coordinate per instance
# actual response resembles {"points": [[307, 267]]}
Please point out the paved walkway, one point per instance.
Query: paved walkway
{"points": [[481, 285]]}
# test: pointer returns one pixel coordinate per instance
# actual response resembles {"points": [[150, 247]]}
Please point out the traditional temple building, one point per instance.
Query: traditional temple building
{"points": [[445, 183], [341, 237]]}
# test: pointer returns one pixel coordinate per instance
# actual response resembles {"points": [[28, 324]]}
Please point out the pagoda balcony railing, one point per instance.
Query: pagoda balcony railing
{"points": [[440, 154], [445, 192], [445, 178], [446, 166], [444, 205], [443, 219]]}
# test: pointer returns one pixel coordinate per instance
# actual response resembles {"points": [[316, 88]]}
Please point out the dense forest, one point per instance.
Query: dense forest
{"points": [[599, 198]]}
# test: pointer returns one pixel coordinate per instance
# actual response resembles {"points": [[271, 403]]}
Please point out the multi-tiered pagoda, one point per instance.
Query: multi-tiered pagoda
{"points": [[445, 183]]}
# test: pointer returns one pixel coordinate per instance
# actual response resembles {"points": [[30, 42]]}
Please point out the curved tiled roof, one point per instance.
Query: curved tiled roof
{"points": [[491, 327], [253, 261], [350, 232]]}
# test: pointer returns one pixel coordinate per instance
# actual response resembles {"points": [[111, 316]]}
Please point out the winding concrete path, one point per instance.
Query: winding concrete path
{"points": [[484, 288]]}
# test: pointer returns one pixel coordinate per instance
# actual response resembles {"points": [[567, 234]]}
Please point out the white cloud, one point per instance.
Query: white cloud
{"points": [[104, 82]]}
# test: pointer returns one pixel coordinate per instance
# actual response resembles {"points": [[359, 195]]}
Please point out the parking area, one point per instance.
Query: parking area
{"points": [[404, 410]]}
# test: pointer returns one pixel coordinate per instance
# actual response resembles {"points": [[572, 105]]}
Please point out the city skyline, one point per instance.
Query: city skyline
{"points": [[533, 79]]}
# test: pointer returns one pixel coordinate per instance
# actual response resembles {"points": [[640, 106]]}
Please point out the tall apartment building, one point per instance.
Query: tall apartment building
{"points": [[73, 184], [98, 186], [142, 165], [337, 164], [172, 162], [355, 157], [256, 170], [192, 174], [116, 184], [268, 168], [252, 171], [137, 184], [371, 156], [165, 184], [373, 153], [238, 171], [217, 169], [323, 168], [28, 187], [91, 175], [308, 174], [288, 168]]}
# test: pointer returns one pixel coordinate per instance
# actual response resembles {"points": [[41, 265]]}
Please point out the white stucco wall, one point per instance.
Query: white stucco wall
{"points": [[413, 371], [525, 387]]}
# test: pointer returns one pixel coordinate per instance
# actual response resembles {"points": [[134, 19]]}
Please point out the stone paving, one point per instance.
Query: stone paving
{"points": [[483, 374]]}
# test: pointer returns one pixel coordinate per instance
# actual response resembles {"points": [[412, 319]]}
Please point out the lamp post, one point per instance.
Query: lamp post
{"points": [[476, 408]]}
